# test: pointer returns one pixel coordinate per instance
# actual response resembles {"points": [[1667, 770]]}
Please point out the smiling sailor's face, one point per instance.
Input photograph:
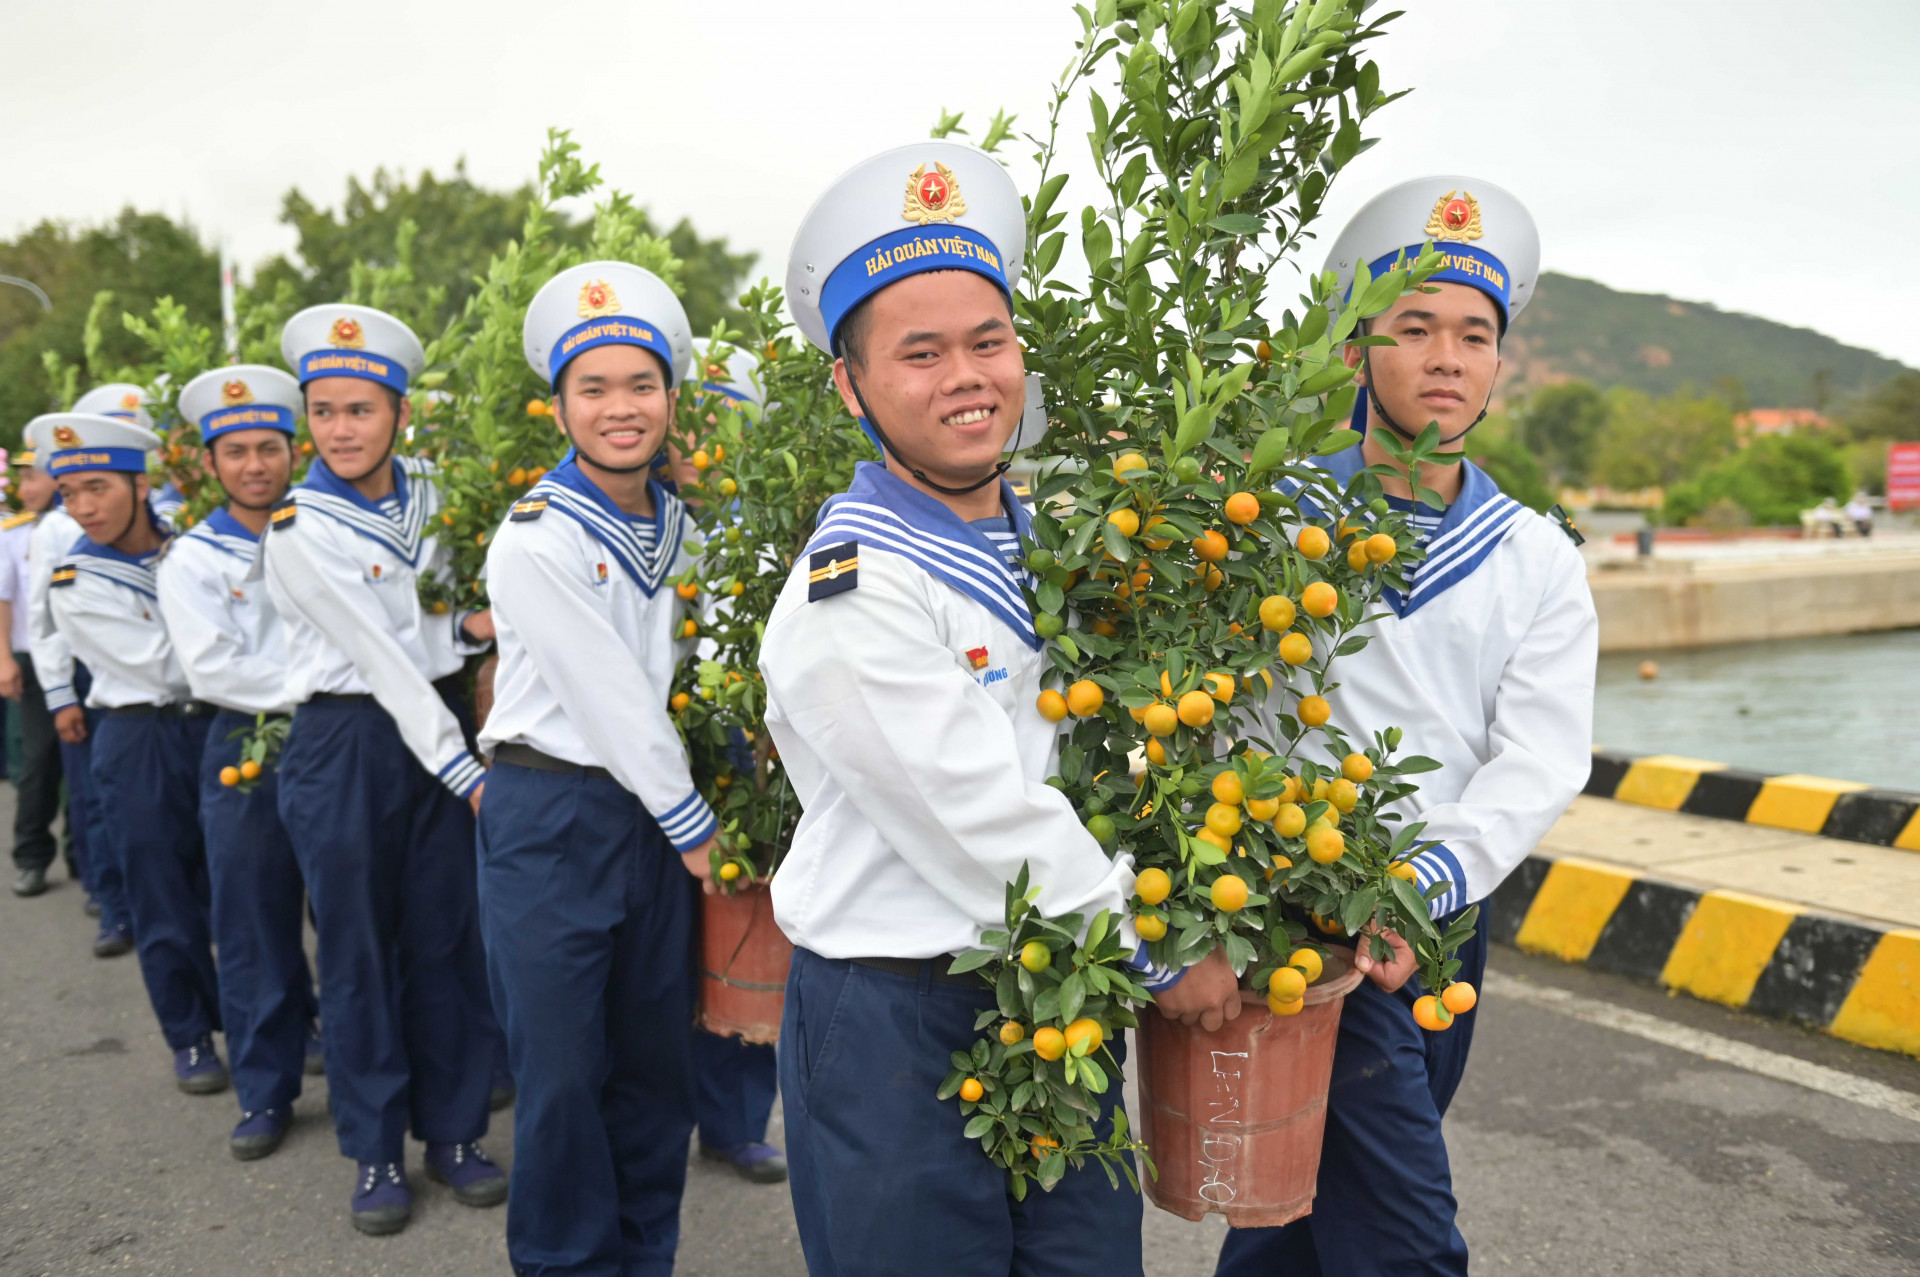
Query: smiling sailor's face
{"points": [[942, 372]]}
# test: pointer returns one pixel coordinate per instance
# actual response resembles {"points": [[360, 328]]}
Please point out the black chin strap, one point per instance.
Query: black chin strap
{"points": [[1378, 409], [888, 445]]}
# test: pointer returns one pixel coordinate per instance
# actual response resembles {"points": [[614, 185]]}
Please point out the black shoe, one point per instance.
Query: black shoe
{"points": [[760, 1163], [197, 1069], [112, 942], [469, 1172], [382, 1199], [259, 1133], [29, 882]]}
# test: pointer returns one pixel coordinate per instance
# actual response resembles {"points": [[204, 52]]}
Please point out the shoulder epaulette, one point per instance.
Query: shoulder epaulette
{"points": [[65, 574], [1565, 520], [833, 571], [19, 520], [283, 514], [528, 510]]}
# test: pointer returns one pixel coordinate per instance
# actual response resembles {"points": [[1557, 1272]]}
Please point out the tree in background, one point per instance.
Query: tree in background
{"points": [[1648, 442], [467, 226], [1559, 427], [1891, 414], [1511, 464], [1772, 479], [138, 257], [370, 249]]}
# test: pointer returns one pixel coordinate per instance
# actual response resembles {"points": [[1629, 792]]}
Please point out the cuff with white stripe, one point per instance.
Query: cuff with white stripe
{"points": [[58, 698], [1437, 864], [1155, 977], [688, 823], [464, 645], [463, 775]]}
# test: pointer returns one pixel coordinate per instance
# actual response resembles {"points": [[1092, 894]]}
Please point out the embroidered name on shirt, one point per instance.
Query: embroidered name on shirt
{"points": [[833, 571]]}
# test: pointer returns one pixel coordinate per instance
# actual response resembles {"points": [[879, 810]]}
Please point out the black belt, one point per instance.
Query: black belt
{"points": [[911, 968], [340, 698], [179, 709], [527, 756]]}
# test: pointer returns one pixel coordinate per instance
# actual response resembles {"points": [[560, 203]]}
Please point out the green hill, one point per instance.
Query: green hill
{"points": [[1576, 328]]}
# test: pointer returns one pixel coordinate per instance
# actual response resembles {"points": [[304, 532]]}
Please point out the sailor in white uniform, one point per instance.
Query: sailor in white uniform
{"points": [[146, 751], [36, 780], [1486, 662], [591, 822], [230, 644], [65, 684], [377, 781], [902, 668]]}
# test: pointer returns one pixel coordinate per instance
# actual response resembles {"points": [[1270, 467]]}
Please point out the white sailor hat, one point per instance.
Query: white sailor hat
{"points": [[926, 206], [73, 442], [734, 379], [244, 397], [605, 304], [1486, 236], [121, 400], [343, 340]]}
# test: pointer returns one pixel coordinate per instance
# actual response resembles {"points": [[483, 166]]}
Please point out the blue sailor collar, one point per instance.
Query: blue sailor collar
{"points": [[1479, 519], [227, 534], [648, 561], [135, 571], [329, 494], [882, 510]]}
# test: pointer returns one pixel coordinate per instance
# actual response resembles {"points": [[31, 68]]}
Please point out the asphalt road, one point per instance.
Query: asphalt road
{"points": [[1577, 1147]]}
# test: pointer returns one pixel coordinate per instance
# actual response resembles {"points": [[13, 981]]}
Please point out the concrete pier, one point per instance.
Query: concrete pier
{"points": [[1740, 592]]}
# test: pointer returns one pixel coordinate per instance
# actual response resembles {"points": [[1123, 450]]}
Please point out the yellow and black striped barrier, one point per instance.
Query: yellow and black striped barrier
{"points": [[1850, 979], [1808, 804]]}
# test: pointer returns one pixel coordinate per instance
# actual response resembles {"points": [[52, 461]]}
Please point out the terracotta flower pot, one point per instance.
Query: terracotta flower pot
{"points": [[743, 966], [1233, 1118]]}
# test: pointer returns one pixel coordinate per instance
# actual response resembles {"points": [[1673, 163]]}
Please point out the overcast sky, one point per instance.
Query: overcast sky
{"points": [[1755, 154]]}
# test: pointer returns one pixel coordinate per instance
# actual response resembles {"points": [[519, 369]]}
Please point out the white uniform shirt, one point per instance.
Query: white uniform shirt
{"points": [[344, 579], [53, 536], [1488, 667], [226, 633], [589, 638], [16, 537], [106, 604], [904, 712]]}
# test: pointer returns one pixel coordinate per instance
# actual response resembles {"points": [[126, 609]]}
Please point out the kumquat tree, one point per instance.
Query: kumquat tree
{"points": [[1198, 576], [763, 474]]}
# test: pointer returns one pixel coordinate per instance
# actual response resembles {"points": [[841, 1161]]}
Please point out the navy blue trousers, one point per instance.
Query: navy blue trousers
{"points": [[387, 854], [259, 912], [93, 844], [735, 1085], [587, 922], [146, 776], [883, 1181], [1385, 1205]]}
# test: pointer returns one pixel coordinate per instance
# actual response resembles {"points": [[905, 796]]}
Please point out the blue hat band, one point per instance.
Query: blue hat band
{"points": [[261, 416], [613, 330], [909, 251], [1463, 264], [78, 460], [352, 363], [122, 416]]}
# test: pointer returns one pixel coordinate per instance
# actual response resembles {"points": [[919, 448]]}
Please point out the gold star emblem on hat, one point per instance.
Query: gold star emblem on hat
{"points": [[1454, 218], [933, 197], [597, 300], [130, 401], [66, 436], [234, 393], [346, 332]]}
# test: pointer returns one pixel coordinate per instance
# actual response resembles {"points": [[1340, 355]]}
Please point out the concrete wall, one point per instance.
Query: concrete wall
{"points": [[1694, 603]]}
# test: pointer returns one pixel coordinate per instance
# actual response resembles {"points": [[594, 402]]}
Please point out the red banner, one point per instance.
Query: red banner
{"points": [[1903, 476]]}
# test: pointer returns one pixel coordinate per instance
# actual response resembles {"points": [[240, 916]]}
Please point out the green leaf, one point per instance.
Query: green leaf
{"points": [[978, 1125], [1270, 450], [1237, 224], [971, 960]]}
